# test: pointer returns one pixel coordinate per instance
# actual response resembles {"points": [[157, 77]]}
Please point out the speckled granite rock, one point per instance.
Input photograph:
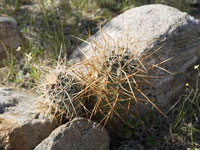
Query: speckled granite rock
{"points": [[142, 31], [22, 126], [78, 134]]}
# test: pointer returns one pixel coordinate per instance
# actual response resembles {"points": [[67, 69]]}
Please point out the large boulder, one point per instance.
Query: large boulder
{"points": [[22, 125], [10, 38], [78, 134], [160, 32]]}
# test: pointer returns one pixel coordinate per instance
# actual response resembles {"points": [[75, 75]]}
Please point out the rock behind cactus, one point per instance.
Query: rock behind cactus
{"points": [[167, 38]]}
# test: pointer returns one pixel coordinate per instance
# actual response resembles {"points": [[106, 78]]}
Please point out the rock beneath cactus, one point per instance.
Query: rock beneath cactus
{"points": [[78, 134], [10, 37], [144, 30], [22, 126]]}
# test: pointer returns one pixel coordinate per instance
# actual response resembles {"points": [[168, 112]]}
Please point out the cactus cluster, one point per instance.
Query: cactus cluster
{"points": [[104, 86]]}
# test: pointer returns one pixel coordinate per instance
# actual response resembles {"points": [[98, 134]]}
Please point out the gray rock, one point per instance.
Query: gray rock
{"points": [[22, 125], [10, 37], [78, 134], [142, 31]]}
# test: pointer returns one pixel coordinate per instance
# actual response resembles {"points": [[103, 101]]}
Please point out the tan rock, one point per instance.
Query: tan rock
{"points": [[22, 126]]}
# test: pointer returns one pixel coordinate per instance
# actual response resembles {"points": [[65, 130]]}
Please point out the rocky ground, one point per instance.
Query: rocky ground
{"points": [[55, 25]]}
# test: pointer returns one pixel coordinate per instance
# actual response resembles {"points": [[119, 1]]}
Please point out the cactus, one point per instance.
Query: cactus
{"points": [[63, 94], [105, 86], [114, 88]]}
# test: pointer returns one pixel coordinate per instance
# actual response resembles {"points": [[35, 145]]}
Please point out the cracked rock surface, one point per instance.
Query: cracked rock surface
{"points": [[22, 126]]}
